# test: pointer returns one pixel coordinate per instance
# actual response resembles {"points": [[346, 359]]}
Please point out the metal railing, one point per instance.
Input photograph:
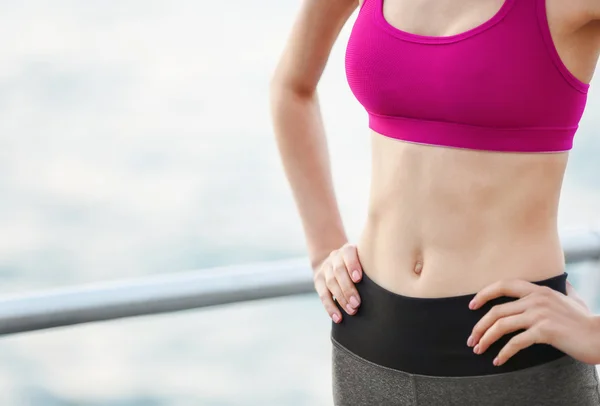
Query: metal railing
{"points": [[189, 290]]}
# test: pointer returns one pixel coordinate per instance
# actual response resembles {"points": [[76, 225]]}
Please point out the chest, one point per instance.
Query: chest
{"points": [[505, 62], [438, 17]]}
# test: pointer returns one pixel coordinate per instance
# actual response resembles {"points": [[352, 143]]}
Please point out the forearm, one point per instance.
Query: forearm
{"points": [[595, 335], [304, 153]]}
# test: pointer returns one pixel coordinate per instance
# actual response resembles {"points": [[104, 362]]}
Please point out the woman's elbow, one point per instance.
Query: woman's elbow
{"points": [[283, 82]]}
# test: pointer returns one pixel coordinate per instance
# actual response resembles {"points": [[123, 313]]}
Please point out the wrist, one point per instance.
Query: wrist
{"points": [[318, 255], [317, 259], [595, 325]]}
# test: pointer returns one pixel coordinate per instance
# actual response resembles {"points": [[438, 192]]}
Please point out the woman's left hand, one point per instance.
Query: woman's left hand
{"points": [[547, 316]]}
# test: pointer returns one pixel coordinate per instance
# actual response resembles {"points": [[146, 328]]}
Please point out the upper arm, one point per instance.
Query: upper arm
{"points": [[313, 34]]}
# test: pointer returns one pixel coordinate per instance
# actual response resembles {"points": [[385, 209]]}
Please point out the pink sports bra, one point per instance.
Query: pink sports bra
{"points": [[500, 86]]}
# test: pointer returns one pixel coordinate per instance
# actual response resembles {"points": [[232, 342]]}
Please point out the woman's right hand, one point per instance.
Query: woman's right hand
{"points": [[335, 277]]}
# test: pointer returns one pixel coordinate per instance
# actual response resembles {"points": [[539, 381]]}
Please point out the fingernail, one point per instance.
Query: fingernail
{"points": [[476, 349], [472, 304], [496, 361], [350, 309], [336, 318], [355, 276], [470, 341], [354, 302]]}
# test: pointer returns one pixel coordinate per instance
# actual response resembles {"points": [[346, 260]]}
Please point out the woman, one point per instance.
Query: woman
{"points": [[472, 107]]}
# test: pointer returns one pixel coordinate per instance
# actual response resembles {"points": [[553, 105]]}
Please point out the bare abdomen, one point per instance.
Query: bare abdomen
{"points": [[445, 221]]}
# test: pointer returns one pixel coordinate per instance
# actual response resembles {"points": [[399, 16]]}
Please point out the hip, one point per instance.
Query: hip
{"points": [[428, 336], [564, 381], [401, 350]]}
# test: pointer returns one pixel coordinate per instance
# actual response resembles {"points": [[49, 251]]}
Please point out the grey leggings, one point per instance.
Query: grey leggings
{"points": [[562, 382]]}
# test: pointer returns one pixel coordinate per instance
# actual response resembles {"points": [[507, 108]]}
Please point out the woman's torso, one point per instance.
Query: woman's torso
{"points": [[445, 221]]}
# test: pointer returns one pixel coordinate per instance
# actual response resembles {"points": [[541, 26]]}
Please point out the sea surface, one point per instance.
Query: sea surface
{"points": [[135, 139]]}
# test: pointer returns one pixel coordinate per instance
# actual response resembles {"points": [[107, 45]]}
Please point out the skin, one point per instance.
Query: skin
{"points": [[441, 221], [546, 316]]}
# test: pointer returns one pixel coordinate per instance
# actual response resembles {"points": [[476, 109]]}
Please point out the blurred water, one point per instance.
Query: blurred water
{"points": [[135, 139]]}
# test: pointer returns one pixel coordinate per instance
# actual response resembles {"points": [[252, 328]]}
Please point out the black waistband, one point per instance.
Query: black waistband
{"points": [[428, 336]]}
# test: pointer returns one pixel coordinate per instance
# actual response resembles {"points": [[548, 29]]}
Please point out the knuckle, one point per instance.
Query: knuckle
{"points": [[516, 341], [322, 265], [511, 346], [503, 284], [545, 296], [526, 339], [327, 261], [341, 300], [545, 328], [541, 315], [542, 326], [330, 309], [478, 330], [545, 292], [499, 326], [538, 300], [348, 245], [494, 331], [494, 312], [339, 270], [330, 279], [348, 249], [349, 292], [352, 265]]}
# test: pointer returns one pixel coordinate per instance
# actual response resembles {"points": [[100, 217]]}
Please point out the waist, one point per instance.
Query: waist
{"points": [[418, 264], [446, 221], [428, 336]]}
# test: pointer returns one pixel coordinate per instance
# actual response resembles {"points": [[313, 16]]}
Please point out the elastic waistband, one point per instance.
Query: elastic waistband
{"points": [[428, 336]]}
